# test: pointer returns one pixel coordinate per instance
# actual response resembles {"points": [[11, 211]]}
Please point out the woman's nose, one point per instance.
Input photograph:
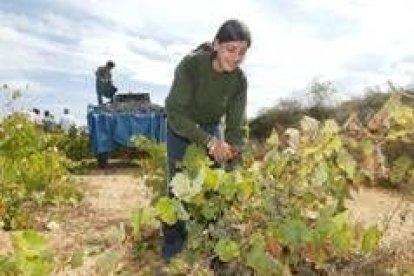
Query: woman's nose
{"points": [[237, 57]]}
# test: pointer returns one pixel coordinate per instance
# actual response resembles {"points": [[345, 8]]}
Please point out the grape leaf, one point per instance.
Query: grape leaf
{"points": [[185, 188], [227, 250], [370, 239], [330, 128], [293, 233], [229, 187], [167, 210], [143, 217], [212, 178], [347, 163], [262, 262], [273, 140]]}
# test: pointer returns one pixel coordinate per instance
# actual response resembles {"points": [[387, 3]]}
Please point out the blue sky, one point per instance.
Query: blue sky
{"points": [[53, 47]]}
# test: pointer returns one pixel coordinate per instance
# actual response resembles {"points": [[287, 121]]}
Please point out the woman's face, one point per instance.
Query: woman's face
{"points": [[229, 55]]}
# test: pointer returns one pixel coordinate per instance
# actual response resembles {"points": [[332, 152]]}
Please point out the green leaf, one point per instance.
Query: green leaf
{"points": [[347, 163], [8, 266], [370, 239], [342, 239], [143, 217], [334, 144], [210, 210], [293, 233], [272, 156], [229, 187], [399, 134], [340, 220], [227, 250], [335, 229], [400, 168], [403, 115], [321, 232], [32, 256], [195, 158], [246, 188], [262, 262], [29, 243], [167, 209], [212, 178], [321, 173], [368, 147]]}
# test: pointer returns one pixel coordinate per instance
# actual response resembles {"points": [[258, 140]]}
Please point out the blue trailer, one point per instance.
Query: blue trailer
{"points": [[114, 125]]}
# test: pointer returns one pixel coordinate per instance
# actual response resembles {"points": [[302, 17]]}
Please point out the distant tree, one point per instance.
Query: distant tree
{"points": [[9, 95], [285, 114], [321, 93]]}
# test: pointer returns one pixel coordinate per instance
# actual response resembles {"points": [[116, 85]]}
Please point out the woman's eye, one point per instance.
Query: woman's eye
{"points": [[235, 50], [231, 50]]}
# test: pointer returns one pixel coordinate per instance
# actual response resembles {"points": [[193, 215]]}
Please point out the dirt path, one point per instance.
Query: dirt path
{"points": [[92, 227], [393, 212]]}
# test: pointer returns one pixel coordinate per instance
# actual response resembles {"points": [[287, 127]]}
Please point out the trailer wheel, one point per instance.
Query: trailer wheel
{"points": [[102, 160]]}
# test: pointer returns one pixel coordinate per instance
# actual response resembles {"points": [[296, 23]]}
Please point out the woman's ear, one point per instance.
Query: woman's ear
{"points": [[215, 45]]}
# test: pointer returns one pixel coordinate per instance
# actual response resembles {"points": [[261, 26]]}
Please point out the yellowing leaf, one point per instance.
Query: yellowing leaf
{"points": [[309, 126], [212, 178], [167, 210], [273, 140], [246, 188], [370, 239], [321, 174], [347, 163], [330, 127]]}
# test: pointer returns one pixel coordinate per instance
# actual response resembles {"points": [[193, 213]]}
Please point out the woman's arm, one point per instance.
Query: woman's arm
{"points": [[178, 102], [236, 115]]}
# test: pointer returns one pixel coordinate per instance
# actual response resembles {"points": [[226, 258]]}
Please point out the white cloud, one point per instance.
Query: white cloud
{"points": [[352, 43]]}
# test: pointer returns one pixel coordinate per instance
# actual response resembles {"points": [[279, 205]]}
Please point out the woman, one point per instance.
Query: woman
{"points": [[208, 84]]}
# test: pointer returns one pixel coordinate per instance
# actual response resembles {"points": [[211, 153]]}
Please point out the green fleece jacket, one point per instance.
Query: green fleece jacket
{"points": [[200, 96]]}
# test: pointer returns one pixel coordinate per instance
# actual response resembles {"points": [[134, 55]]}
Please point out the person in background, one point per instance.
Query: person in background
{"points": [[67, 121], [104, 85], [48, 122], [208, 84], [34, 117]]}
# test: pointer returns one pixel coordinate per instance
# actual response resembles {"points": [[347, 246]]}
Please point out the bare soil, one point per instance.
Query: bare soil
{"points": [[393, 213]]}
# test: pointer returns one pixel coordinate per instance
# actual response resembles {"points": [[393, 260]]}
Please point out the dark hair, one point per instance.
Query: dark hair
{"points": [[47, 113], [110, 63], [233, 30], [66, 111]]}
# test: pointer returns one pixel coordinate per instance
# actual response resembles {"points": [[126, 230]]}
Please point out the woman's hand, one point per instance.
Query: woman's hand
{"points": [[221, 150], [235, 150]]}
